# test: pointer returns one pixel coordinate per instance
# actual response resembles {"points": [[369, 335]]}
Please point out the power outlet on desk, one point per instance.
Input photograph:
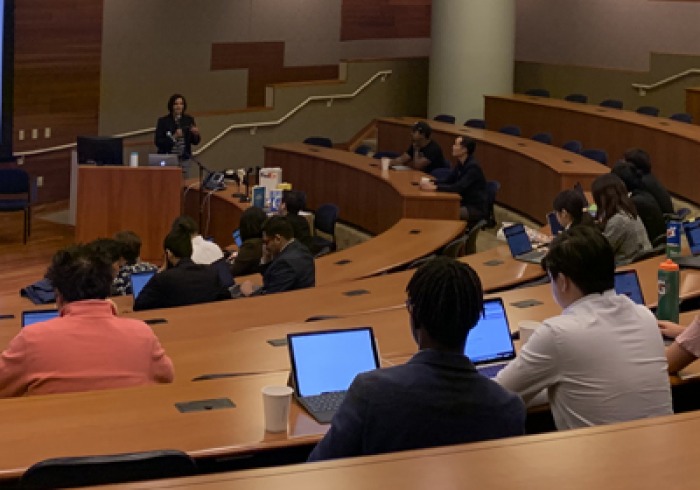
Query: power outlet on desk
{"points": [[204, 405]]}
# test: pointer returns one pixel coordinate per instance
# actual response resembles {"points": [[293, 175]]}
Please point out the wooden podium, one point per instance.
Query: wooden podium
{"points": [[144, 200]]}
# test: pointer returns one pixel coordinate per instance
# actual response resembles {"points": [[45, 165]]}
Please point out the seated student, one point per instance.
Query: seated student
{"points": [[112, 249], [602, 360], [292, 203], [570, 209], [131, 249], [287, 264], [423, 154], [686, 345], [647, 207], [203, 251], [466, 179], [619, 219], [88, 347], [182, 282], [640, 159], [438, 397], [247, 260]]}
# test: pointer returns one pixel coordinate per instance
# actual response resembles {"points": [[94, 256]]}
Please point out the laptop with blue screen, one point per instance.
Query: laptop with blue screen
{"points": [[692, 234], [520, 245], [325, 363], [139, 280], [627, 283], [489, 343], [36, 316]]}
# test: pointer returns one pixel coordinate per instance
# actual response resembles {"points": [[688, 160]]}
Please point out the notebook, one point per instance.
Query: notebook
{"points": [[36, 316], [139, 280], [520, 245], [162, 160], [692, 234], [489, 344], [325, 363], [554, 226], [627, 283]]}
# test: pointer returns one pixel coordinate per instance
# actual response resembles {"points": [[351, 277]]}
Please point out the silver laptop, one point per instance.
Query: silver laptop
{"points": [[162, 160], [692, 234], [325, 363], [520, 245], [36, 316], [489, 343]]}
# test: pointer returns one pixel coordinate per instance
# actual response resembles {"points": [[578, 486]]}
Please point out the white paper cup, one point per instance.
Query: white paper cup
{"points": [[424, 180], [276, 401], [385, 163], [526, 327]]}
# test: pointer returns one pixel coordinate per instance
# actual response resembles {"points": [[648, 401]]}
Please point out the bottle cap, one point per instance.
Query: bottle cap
{"points": [[668, 265]]}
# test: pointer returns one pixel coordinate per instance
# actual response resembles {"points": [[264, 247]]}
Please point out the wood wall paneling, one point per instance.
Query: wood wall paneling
{"points": [[384, 19]]}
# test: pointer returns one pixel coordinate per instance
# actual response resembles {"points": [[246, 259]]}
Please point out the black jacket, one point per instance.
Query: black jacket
{"points": [[167, 124]]}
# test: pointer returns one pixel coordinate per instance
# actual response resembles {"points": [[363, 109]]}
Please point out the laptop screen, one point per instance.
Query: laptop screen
{"points": [[237, 238], [330, 360], [692, 233], [490, 339], [36, 316], [518, 241], [627, 283], [554, 226], [139, 280]]}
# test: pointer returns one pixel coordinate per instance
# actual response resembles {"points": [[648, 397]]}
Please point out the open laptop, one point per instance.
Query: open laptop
{"points": [[627, 283], [520, 245], [554, 226], [325, 363], [692, 234], [489, 344], [36, 316], [162, 160], [139, 280]]}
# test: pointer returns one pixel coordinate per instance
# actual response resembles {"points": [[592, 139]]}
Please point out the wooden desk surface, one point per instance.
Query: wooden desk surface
{"points": [[531, 173], [673, 146], [646, 454], [367, 197]]}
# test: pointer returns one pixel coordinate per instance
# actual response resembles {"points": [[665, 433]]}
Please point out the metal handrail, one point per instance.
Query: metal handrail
{"points": [[642, 88], [253, 126]]}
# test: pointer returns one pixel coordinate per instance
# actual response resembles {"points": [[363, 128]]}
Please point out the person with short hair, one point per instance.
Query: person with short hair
{"points": [[182, 282], [647, 207], [438, 397], [640, 159], [619, 219], [293, 202], [131, 250], [423, 154], [203, 251], [570, 209], [602, 360], [88, 347], [466, 179], [287, 264]]}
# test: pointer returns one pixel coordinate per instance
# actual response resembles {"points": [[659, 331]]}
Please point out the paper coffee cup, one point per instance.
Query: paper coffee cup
{"points": [[425, 180], [526, 328], [385, 163], [276, 402]]}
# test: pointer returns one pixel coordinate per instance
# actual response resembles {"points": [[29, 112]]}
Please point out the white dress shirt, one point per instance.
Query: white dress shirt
{"points": [[601, 361], [205, 252]]}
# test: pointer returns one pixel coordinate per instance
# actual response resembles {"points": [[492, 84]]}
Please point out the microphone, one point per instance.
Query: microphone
{"points": [[169, 134]]}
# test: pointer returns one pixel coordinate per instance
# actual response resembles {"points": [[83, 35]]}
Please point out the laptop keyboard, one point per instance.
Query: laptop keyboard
{"points": [[491, 370], [325, 402]]}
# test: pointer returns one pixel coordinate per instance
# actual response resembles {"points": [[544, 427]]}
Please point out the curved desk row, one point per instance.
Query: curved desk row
{"points": [[367, 197], [673, 146], [531, 173]]}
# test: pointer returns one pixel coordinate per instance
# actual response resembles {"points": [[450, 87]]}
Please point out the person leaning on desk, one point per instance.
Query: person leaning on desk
{"points": [[438, 397], [88, 347], [686, 344]]}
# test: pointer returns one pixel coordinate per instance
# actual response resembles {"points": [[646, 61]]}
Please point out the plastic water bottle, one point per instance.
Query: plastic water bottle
{"points": [[668, 287], [673, 239]]}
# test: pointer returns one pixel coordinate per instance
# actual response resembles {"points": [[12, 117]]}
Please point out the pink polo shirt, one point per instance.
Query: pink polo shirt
{"points": [[87, 348]]}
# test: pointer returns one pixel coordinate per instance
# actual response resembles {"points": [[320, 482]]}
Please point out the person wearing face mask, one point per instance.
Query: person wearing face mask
{"points": [[176, 132], [182, 282]]}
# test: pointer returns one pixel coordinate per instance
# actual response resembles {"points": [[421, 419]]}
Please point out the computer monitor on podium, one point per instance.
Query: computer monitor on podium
{"points": [[100, 150]]}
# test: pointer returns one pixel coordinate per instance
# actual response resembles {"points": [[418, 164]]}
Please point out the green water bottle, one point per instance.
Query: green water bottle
{"points": [[669, 279]]}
